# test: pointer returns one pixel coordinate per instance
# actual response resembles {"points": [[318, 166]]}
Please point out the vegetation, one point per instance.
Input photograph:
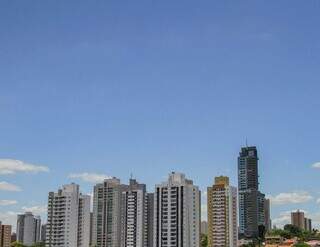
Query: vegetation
{"points": [[301, 245], [291, 231], [204, 240], [248, 245], [17, 244]]}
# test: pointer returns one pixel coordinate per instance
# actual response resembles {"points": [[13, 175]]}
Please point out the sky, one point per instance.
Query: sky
{"points": [[92, 89]]}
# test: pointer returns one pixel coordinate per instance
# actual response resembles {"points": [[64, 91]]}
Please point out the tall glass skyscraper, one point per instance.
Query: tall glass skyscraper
{"points": [[251, 201]]}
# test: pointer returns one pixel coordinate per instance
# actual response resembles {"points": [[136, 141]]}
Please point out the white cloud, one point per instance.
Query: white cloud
{"points": [[291, 198], [90, 177], [315, 219], [316, 165], [9, 218], [283, 219], [318, 200], [36, 210], [7, 202], [9, 187], [10, 166]]}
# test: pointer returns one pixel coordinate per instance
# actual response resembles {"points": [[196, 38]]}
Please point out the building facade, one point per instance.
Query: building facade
{"points": [[222, 214], [68, 218], [28, 228], [150, 218], [204, 227], [297, 219], [134, 216], [84, 221], [177, 213], [267, 218], [43, 233], [5, 235], [106, 223], [251, 200], [307, 224]]}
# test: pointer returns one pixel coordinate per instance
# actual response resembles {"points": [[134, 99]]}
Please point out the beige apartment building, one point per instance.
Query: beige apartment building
{"points": [[222, 214], [5, 235]]}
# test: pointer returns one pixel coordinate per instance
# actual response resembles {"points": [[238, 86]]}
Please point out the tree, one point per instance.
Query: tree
{"points": [[39, 245], [261, 234], [248, 245], [204, 240], [294, 230], [17, 244], [301, 245]]}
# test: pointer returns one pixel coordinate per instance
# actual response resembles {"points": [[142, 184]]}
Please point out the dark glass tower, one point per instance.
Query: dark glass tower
{"points": [[251, 201]]}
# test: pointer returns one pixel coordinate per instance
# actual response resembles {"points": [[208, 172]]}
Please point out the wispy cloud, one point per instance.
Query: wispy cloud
{"points": [[36, 210], [315, 219], [291, 198], [90, 177], [283, 219], [9, 187], [10, 166], [7, 202], [316, 165], [9, 218]]}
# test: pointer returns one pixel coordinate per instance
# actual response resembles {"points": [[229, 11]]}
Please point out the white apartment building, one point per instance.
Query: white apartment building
{"points": [[222, 214], [84, 221], [68, 218], [28, 229], [134, 216], [177, 213]]}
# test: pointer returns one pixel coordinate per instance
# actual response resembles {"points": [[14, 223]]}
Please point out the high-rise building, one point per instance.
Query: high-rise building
{"points": [[43, 233], [297, 219], [222, 214], [204, 227], [5, 235], [106, 227], [307, 224], [84, 221], [134, 216], [28, 229], [122, 215], [150, 218], [261, 212], [267, 219], [91, 224], [68, 218], [251, 201], [177, 213]]}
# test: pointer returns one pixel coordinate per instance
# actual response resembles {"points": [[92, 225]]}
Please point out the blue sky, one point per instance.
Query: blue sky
{"points": [[147, 87]]}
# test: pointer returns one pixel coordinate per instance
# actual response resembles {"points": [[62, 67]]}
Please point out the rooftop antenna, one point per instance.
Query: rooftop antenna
{"points": [[246, 141], [131, 175]]}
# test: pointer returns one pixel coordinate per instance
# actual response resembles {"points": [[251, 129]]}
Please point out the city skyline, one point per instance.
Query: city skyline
{"points": [[108, 89], [90, 179]]}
